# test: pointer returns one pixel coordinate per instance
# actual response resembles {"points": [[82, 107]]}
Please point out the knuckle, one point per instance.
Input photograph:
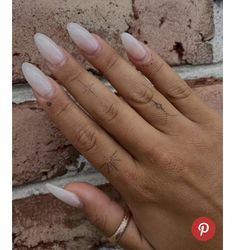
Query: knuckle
{"points": [[180, 91], [85, 138], [110, 111], [155, 67], [152, 155], [63, 109], [111, 62], [73, 76], [142, 186], [171, 164], [159, 66], [167, 161], [142, 95]]}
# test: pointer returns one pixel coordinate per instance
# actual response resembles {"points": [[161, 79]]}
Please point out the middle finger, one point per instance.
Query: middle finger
{"points": [[136, 89]]}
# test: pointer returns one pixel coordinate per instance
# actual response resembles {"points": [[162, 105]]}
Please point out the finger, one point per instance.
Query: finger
{"points": [[113, 114], [131, 84], [91, 140], [100, 211], [166, 80]]}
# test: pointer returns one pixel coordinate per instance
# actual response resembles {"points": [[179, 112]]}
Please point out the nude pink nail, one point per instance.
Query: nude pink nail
{"points": [[133, 47], [66, 196], [83, 38]]}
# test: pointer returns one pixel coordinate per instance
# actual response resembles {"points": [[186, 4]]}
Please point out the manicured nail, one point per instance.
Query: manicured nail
{"points": [[133, 47], [37, 79], [83, 38], [66, 196], [49, 49]]}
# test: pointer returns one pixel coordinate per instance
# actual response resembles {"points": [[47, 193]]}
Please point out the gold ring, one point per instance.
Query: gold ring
{"points": [[120, 230]]}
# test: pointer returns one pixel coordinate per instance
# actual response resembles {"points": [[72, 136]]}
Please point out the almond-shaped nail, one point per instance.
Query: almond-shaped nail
{"points": [[37, 79], [133, 47], [66, 196], [83, 38], [49, 49]]}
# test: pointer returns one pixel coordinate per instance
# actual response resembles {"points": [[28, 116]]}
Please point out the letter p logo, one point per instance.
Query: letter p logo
{"points": [[203, 228]]}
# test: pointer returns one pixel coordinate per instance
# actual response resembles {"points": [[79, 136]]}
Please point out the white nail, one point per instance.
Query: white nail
{"points": [[37, 79], [133, 47], [49, 49], [66, 196], [83, 38]]}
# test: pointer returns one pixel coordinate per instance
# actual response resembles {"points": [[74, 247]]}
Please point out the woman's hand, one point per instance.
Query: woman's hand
{"points": [[157, 143]]}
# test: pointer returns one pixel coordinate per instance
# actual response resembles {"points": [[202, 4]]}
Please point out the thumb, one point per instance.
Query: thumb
{"points": [[101, 211]]}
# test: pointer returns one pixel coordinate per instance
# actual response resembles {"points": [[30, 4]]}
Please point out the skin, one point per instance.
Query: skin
{"points": [[159, 146]]}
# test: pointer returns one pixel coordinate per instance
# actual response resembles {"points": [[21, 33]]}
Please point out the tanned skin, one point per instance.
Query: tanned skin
{"points": [[156, 142]]}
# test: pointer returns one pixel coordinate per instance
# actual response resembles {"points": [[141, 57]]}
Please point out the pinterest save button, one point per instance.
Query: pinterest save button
{"points": [[203, 228]]}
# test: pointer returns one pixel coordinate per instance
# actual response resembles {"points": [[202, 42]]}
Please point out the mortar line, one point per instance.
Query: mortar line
{"points": [[31, 189]]}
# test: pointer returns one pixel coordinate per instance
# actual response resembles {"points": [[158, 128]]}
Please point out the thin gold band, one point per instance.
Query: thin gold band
{"points": [[120, 230]]}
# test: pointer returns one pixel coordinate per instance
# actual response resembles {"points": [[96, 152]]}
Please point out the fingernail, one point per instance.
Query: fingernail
{"points": [[83, 38], [37, 79], [133, 47], [66, 196], [49, 49]]}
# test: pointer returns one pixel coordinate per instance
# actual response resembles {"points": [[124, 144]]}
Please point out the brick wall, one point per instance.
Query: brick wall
{"points": [[187, 34]]}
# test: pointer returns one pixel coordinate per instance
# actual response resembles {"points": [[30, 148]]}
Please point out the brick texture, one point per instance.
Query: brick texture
{"points": [[182, 29], [39, 149], [44, 223], [108, 18], [178, 30]]}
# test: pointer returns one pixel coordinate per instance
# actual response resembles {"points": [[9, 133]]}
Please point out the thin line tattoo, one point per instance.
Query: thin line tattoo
{"points": [[160, 106], [111, 162], [88, 88]]}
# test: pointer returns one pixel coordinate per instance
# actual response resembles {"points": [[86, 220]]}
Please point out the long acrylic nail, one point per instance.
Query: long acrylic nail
{"points": [[133, 47], [37, 79], [83, 38], [49, 49], [66, 196]]}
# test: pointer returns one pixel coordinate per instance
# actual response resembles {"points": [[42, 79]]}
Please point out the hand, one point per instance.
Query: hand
{"points": [[157, 143]]}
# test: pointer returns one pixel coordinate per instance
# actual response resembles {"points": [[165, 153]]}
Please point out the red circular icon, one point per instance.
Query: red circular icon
{"points": [[203, 228]]}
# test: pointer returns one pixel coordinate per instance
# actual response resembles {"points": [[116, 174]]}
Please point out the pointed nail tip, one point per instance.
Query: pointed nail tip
{"points": [[50, 187], [126, 37], [37, 36], [72, 25], [124, 33], [68, 26], [53, 189], [64, 195], [25, 66]]}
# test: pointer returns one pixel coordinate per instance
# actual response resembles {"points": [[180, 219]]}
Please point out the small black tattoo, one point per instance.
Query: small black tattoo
{"points": [[49, 104], [159, 106], [165, 113], [88, 88], [111, 162]]}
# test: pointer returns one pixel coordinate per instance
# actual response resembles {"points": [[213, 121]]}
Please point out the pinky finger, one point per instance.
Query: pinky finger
{"points": [[101, 211]]}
